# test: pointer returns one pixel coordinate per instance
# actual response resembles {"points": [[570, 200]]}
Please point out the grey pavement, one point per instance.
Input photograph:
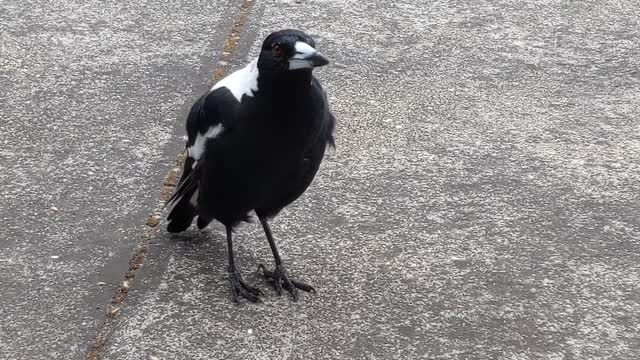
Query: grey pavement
{"points": [[91, 95], [482, 202]]}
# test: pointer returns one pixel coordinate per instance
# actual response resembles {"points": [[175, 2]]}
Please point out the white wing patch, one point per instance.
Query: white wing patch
{"points": [[196, 150], [241, 82]]}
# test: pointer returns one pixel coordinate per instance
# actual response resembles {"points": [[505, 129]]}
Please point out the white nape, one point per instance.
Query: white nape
{"points": [[241, 82]]}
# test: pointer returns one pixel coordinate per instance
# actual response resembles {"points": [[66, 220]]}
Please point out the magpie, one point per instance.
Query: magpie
{"points": [[254, 143]]}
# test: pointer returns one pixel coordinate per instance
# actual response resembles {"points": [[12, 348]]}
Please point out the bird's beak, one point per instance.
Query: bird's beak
{"points": [[306, 57]]}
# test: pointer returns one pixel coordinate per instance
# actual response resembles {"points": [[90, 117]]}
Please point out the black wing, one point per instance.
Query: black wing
{"points": [[329, 121], [206, 120]]}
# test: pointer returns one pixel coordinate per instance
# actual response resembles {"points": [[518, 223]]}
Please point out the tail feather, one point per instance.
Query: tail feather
{"points": [[183, 202], [186, 181], [182, 213]]}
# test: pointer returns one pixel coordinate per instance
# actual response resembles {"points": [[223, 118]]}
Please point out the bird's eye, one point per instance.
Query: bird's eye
{"points": [[276, 50]]}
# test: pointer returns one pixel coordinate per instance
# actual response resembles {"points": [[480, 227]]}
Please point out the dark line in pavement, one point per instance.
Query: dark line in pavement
{"points": [[99, 342]]}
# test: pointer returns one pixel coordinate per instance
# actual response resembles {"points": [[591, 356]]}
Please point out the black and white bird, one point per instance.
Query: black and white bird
{"points": [[255, 142]]}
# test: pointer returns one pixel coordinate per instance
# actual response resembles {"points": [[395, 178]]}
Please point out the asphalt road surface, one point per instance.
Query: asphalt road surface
{"points": [[91, 101], [482, 202]]}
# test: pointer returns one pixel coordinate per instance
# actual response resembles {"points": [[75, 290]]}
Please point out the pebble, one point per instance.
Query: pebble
{"points": [[153, 221]]}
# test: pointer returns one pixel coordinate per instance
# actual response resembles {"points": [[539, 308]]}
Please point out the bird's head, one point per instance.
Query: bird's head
{"points": [[290, 50]]}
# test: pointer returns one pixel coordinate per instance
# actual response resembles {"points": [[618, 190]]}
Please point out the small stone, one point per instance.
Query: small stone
{"points": [[153, 220], [53, 208], [398, 127], [54, 257], [151, 357], [125, 285], [102, 283], [115, 311], [250, 331]]}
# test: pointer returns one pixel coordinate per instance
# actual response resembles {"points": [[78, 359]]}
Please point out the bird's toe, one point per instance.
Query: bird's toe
{"points": [[279, 277], [251, 289], [240, 289]]}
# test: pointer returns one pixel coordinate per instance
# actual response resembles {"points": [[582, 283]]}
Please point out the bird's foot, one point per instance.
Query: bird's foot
{"points": [[280, 279], [241, 289]]}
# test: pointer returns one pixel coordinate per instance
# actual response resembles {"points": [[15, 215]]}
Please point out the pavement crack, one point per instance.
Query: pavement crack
{"points": [[150, 229]]}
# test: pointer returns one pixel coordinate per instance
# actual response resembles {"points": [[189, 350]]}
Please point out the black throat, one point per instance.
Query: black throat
{"points": [[284, 84]]}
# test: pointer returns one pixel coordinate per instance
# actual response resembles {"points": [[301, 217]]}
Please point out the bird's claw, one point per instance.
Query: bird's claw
{"points": [[241, 289], [280, 279]]}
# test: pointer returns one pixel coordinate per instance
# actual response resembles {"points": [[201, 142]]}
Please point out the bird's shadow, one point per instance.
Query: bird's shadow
{"points": [[208, 248]]}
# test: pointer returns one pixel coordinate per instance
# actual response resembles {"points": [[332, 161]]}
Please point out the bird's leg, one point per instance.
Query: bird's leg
{"points": [[238, 286], [280, 276]]}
